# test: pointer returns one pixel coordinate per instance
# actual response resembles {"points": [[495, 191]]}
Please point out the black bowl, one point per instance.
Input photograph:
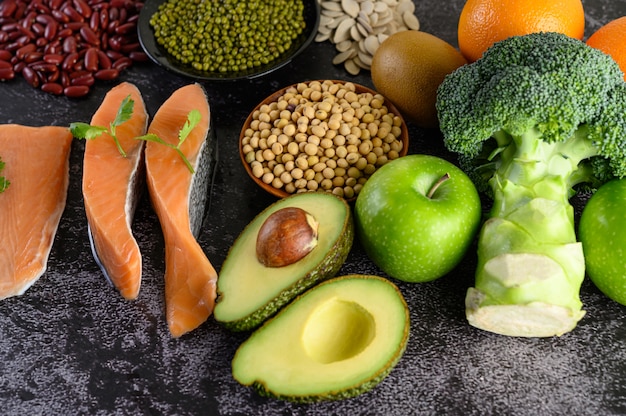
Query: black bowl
{"points": [[160, 56]]}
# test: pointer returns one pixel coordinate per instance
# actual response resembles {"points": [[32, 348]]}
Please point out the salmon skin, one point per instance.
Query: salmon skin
{"points": [[112, 188], [179, 199], [37, 165]]}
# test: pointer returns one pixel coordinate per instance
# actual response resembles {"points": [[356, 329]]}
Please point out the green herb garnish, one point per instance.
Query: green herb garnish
{"points": [[4, 183], [124, 113], [87, 131], [193, 118]]}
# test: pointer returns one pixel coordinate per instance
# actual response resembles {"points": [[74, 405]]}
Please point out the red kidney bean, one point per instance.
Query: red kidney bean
{"points": [[55, 4], [65, 79], [83, 8], [53, 76], [115, 43], [104, 62], [41, 66], [9, 27], [32, 57], [91, 60], [113, 24], [69, 45], [126, 28], [130, 47], [7, 8], [122, 63], [108, 74], [123, 15], [6, 74], [114, 55], [54, 58], [69, 61], [59, 16], [28, 20], [73, 14], [19, 67], [30, 76], [76, 91], [38, 29], [78, 74], [104, 19], [74, 26], [52, 88], [114, 12], [5, 64], [87, 80], [64, 33], [133, 18], [27, 32], [5, 55], [41, 42], [89, 36], [138, 56], [4, 36], [21, 9], [22, 51], [118, 3], [94, 21]]}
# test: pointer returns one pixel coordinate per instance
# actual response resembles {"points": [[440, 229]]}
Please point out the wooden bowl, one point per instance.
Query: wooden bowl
{"points": [[281, 192]]}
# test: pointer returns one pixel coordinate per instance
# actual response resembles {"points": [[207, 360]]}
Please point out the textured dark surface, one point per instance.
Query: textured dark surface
{"points": [[71, 345]]}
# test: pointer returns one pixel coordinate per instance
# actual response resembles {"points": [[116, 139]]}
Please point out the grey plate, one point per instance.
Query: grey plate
{"points": [[160, 56]]}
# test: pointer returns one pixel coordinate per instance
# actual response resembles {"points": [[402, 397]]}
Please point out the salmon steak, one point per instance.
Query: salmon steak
{"points": [[179, 197], [37, 165], [111, 189]]}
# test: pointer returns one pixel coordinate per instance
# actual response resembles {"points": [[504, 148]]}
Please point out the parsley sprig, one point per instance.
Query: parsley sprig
{"points": [[124, 113], [4, 182]]}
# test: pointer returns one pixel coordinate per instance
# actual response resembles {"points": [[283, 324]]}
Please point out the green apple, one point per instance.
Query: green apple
{"points": [[416, 217], [602, 232]]}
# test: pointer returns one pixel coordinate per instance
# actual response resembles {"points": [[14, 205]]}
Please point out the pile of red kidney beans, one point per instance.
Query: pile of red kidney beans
{"points": [[63, 47]]}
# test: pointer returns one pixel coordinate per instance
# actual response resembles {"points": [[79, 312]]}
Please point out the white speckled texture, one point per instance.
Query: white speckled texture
{"points": [[71, 345]]}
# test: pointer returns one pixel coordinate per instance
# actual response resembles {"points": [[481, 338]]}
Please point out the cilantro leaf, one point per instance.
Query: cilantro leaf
{"points": [[193, 118], [89, 132]]}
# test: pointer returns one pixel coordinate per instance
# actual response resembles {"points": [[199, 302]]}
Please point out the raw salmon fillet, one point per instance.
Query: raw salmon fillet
{"points": [[37, 165], [111, 184], [179, 197]]}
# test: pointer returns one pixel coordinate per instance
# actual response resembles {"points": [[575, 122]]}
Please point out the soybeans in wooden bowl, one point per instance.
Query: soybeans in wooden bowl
{"points": [[322, 135]]}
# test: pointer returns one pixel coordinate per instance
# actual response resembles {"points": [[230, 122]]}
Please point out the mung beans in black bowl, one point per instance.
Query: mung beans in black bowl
{"points": [[229, 39]]}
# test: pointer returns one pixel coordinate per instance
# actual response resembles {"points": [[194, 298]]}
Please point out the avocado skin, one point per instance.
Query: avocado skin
{"points": [[355, 390], [326, 269]]}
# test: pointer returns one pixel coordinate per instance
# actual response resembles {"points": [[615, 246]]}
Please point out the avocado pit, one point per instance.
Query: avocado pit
{"points": [[286, 236]]}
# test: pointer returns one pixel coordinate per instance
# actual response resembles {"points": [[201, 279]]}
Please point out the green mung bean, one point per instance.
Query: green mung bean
{"points": [[222, 36]]}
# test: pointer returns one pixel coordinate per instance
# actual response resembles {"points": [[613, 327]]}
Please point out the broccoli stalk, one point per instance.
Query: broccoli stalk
{"points": [[533, 120]]}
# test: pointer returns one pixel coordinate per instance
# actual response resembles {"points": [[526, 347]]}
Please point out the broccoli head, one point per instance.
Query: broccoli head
{"points": [[547, 85], [533, 119]]}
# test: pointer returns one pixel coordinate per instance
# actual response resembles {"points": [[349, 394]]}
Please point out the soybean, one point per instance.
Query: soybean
{"points": [[336, 153]]}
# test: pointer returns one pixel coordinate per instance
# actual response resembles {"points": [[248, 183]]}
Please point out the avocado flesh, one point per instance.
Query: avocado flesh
{"points": [[249, 292], [337, 340]]}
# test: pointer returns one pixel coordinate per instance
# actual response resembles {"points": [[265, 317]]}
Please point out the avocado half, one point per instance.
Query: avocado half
{"points": [[337, 340], [249, 292]]}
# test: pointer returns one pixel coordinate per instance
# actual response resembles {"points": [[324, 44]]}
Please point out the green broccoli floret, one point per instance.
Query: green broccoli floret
{"points": [[532, 121]]}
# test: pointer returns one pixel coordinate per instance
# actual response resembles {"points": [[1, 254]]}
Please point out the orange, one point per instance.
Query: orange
{"points": [[407, 69], [483, 22], [611, 39]]}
